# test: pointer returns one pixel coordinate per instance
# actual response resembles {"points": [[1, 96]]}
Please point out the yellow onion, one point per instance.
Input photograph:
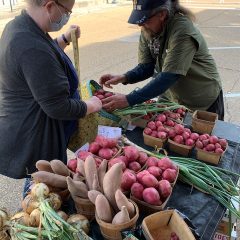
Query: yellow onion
{"points": [[79, 221], [63, 215], [35, 217], [54, 200], [29, 203], [40, 191], [21, 218]]}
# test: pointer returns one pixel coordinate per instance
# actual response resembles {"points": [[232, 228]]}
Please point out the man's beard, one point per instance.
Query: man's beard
{"points": [[148, 32]]}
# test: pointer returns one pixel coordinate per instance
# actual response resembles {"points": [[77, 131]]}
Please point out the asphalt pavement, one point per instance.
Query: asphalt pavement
{"points": [[108, 44]]}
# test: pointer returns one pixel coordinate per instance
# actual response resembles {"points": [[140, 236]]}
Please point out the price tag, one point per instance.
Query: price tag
{"points": [[109, 132], [85, 147]]}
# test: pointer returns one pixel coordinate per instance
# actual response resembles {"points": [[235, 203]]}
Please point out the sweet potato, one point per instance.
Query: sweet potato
{"points": [[59, 168], [92, 195], [96, 185], [103, 208], [43, 165], [122, 200], [90, 169], [51, 179], [77, 188], [101, 172], [80, 167], [112, 182], [77, 177], [121, 217]]}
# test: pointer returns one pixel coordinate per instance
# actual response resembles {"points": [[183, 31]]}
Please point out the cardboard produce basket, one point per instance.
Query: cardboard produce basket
{"points": [[147, 208], [181, 149], [213, 158], [153, 142], [203, 121], [113, 231], [159, 226]]}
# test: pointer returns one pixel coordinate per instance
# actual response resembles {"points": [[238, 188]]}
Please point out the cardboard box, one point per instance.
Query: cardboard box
{"points": [[160, 225]]}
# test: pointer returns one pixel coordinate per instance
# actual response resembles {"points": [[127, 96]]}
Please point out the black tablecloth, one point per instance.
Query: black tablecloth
{"points": [[204, 211]]}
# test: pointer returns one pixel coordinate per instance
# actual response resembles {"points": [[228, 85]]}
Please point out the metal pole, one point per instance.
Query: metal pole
{"points": [[11, 5]]}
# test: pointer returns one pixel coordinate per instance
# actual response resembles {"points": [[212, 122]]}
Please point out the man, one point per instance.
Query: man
{"points": [[174, 52]]}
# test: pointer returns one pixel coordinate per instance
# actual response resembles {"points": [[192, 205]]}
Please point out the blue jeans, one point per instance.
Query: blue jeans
{"points": [[26, 187]]}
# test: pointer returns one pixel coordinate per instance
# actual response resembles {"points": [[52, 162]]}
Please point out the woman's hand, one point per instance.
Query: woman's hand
{"points": [[70, 29], [94, 104], [108, 80]]}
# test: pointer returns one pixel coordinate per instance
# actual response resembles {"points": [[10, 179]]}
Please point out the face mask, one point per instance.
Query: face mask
{"points": [[56, 26]]}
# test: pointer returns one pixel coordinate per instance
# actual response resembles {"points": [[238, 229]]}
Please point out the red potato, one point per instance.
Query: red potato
{"points": [[154, 133], [155, 171], [141, 174], [203, 137], [189, 142], [162, 135], [142, 159], [210, 147], [161, 129], [219, 151], [165, 163], [83, 154], [187, 130], [152, 161], [213, 139], [179, 129], [124, 159], [131, 153], [205, 142], [158, 124], [152, 125], [115, 151], [170, 175], [161, 117], [170, 123], [100, 96], [72, 164], [94, 147], [172, 133], [128, 179], [217, 145], [199, 144], [116, 160], [98, 161], [105, 142], [223, 143], [149, 180], [186, 135], [151, 196], [148, 131], [165, 188], [178, 139], [194, 136], [135, 166], [105, 153], [137, 190], [108, 94]]}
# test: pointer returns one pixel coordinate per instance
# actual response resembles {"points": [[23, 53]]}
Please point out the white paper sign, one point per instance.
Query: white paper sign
{"points": [[109, 132]]}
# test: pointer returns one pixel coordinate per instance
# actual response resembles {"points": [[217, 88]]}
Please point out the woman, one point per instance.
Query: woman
{"points": [[39, 103], [174, 52]]}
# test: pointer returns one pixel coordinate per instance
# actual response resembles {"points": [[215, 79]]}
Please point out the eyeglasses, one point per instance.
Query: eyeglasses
{"points": [[69, 12]]}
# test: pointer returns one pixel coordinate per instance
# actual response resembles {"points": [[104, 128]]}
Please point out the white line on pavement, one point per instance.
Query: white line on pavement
{"points": [[223, 48], [232, 95]]}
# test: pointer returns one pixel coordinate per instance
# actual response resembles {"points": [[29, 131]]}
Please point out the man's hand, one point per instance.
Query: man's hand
{"points": [[108, 80], [68, 32], [94, 104], [116, 101]]}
